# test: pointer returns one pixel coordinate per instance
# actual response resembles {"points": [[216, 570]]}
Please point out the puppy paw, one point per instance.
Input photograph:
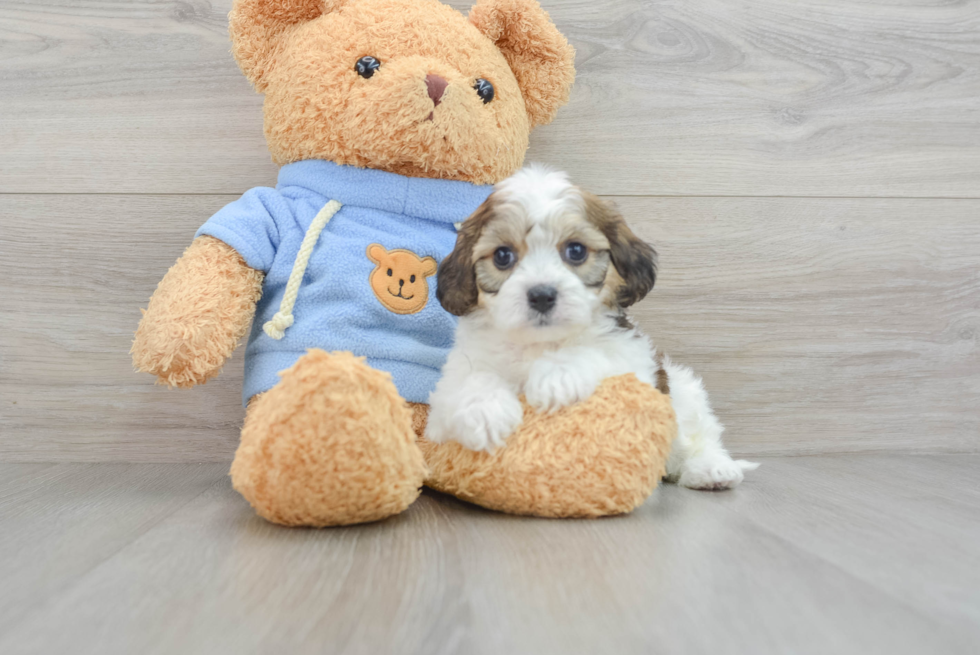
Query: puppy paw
{"points": [[552, 385], [713, 472], [486, 423]]}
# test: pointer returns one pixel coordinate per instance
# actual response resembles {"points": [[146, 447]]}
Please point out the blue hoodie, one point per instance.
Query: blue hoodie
{"points": [[356, 291]]}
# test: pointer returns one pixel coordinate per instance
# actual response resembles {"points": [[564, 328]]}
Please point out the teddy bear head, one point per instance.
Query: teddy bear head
{"points": [[399, 278], [407, 86]]}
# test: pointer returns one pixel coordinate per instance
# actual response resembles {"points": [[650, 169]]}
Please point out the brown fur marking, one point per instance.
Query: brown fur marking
{"points": [[663, 383], [624, 323], [456, 286], [635, 261]]}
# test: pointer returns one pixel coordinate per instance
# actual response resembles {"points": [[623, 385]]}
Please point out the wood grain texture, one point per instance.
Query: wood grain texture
{"points": [[674, 97], [861, 514], [826, 324], [774, 566], [58, 522], [819, 325], [67, 384]]}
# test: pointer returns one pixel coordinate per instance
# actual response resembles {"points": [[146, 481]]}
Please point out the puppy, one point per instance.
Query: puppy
{"points": [[541, 276]]}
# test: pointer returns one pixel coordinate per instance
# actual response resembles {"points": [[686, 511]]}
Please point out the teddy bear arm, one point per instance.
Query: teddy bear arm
{"points": [[199, 312]]}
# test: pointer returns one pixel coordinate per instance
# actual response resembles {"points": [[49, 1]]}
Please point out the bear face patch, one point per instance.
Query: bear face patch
{"points": [[399, 278]]}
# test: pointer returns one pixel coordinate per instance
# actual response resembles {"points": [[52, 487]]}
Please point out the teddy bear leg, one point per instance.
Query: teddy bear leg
{"points": [[600, 457], [331, 444]]}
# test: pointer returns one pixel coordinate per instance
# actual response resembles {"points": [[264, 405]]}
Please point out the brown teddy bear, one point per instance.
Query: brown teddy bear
{"points": [[391, 119]]}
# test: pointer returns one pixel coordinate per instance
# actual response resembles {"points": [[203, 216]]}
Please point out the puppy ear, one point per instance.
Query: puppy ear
{"points": [[456, 281], [259, 27], [634, 259], [542, 60]]}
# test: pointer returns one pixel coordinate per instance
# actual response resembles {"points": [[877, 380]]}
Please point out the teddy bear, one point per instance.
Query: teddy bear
{"points": [[391, 120]]}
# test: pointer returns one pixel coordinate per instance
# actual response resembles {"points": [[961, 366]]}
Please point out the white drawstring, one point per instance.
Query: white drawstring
{"points": [[276, 328]]}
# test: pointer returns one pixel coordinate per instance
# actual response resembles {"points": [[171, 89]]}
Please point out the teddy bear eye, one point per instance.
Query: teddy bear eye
{"points": [[484, 89], [411, 279], [366, 66], [389, 272]]}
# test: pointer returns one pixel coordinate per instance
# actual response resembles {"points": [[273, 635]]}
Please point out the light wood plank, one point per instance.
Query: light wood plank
{"points": [[819, 325], [907, 525], [831, 325], [687, 572], [14, 476], [67, 386], [59, 522], [680, 97], [959, 482]]}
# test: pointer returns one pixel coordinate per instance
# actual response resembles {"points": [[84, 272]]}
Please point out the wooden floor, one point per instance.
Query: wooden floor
{"points": [[809, 172], [834, 554]]}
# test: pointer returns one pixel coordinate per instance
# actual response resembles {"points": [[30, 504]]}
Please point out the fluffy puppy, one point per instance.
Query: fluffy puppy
{"points": [[541, 276]]}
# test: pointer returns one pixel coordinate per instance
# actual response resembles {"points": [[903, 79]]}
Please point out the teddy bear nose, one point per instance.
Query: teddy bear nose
{"points": [[436, 86]]}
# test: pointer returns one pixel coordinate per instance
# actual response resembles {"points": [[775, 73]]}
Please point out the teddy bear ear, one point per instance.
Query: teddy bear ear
{"points": [[429, 266], [258, 28], [538, 54], [376, 253]]}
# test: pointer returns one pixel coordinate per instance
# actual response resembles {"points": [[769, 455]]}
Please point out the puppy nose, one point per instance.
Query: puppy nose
{"points": [[436, 86], [542, 298]]}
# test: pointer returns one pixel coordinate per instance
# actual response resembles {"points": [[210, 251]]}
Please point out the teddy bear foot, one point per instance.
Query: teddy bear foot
{"points": [[331, 444], [600, 457]]}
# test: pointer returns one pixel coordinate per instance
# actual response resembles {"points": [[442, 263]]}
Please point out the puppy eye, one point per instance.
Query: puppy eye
{"points": [[576, 253], [366, 66], [503, 258], [484, 89]]}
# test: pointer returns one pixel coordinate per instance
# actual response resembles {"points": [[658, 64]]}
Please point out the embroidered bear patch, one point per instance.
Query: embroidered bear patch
{"points": [[399, 279]]}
